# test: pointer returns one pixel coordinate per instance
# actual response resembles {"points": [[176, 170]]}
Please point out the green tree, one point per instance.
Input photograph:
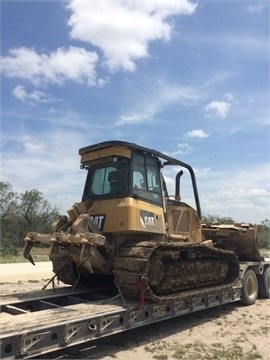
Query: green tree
{"points": [[36, 212], [264, 234], [8, 200], [9, 214], [216, 219], [21, 213]]}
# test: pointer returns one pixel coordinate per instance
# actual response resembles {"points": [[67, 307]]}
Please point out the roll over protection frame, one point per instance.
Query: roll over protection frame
{"points": [[169, 161]]}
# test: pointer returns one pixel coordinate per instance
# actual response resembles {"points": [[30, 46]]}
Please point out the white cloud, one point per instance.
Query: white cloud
{"points": [[233, 192], [150, 100], [226, 192], [32, 145], [123, 29], [261, 192], [241, 44], [136, 118], [48, 159], [102, 82], [257, 8], [202, 172], [51, 111], [229, 97], [20, 92], [42, 163], [219, 108], [72, 64], [182, 148], [198, 133]]}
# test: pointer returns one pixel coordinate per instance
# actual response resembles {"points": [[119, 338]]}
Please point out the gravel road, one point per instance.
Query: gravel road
{"points": [[17, 272]]}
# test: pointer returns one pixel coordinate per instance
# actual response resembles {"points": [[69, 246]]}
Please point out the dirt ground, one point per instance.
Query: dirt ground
{"points": [[231, 331]]}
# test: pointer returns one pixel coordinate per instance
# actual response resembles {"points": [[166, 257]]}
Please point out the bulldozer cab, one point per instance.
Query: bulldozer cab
{"points": [[131, 175], [113, 176]]}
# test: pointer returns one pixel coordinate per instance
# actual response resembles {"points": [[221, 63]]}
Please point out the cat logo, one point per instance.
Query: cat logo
{"points": [[98, 220], [147, 219]]}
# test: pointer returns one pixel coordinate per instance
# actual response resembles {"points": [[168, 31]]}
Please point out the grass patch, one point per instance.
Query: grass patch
{"points": [[219, 322], [262, 330], [160, 357], [201, 351], [156, 346], [215, 351], [38, 254], [265, 330]]}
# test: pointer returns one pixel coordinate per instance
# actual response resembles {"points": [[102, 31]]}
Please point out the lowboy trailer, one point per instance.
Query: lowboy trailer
{"points": [[37, 323]]}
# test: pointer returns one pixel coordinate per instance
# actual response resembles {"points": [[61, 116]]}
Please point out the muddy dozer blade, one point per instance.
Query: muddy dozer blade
{"points": [[240, 238], [76, 249]]}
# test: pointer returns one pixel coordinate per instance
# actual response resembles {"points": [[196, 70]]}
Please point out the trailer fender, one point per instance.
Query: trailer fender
{"points": [[264, 284], [250, 287]]}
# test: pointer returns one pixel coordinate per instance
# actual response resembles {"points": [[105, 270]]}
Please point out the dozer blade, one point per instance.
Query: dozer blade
{"points": [[239, 238]]}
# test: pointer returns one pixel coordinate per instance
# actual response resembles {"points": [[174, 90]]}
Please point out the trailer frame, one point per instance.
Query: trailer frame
{"points": [[72, 325]]}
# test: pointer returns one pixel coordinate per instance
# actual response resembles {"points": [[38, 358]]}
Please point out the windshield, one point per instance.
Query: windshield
{"points": [[108, 179]]}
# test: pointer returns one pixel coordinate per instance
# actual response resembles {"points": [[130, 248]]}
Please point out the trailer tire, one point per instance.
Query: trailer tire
{"points": [[264, 284], [249, 288]]}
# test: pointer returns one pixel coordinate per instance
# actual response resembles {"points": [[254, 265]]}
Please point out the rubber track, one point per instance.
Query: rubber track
{"points": [[131, 265]]}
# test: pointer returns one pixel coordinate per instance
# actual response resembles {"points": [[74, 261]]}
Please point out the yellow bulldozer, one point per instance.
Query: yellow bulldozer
{"points": [[129, 231]]}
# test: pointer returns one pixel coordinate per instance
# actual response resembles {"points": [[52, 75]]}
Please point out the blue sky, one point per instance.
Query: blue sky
{"points": [[187, 78]]}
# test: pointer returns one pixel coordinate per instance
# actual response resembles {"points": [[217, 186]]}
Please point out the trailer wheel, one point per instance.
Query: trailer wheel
{"points": [[264, 284], [249, 288]]}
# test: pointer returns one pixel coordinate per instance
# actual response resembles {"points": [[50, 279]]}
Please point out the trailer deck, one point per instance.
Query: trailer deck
{"points": [[35, 333], [37, 323]]}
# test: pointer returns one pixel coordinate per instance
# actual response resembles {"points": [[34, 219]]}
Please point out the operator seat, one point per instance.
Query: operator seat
{"points": [[115, 179]]}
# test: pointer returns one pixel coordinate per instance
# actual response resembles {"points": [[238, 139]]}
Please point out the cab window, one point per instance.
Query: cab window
{"points": [[107, 180], [146, 179]]}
